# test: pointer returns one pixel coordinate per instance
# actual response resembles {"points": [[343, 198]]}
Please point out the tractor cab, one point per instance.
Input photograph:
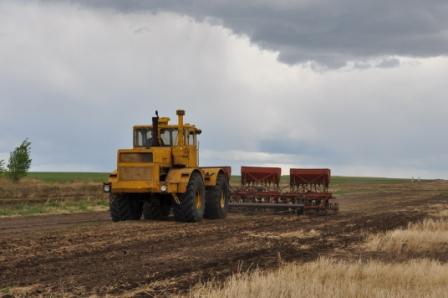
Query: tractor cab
{"points": [[162, 138], [168, 136]]}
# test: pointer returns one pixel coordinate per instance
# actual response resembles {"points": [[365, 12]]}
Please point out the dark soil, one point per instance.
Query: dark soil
{"points": [[87, 254]]}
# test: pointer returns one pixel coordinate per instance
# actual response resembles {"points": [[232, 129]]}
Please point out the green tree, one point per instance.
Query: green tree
{"points": [[19, 161]]}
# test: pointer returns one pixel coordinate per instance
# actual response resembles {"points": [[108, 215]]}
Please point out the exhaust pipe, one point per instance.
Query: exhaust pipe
{"points": [[155, 131], [180, 134]]}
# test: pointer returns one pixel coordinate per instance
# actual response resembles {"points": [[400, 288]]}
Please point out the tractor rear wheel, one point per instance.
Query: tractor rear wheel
{"points": [[192, 203], [157, 208], [217, 203], [123, 207]]}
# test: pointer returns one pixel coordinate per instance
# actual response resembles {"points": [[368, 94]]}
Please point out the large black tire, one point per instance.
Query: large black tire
{"points": [[192, 202], [157, 208], [123, 207], [136, 207], [119, 207], [217, 199]]}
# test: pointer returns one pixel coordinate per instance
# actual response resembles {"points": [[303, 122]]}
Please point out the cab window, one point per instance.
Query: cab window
{"points": [[191, 138], [142, 138], [168, 137]]}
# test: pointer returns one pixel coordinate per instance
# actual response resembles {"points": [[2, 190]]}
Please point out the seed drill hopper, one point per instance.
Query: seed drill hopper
{"points": [[307, 190]]}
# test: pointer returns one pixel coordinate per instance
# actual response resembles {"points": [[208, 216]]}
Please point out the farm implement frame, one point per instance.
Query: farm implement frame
{"points": [[307, 191]]}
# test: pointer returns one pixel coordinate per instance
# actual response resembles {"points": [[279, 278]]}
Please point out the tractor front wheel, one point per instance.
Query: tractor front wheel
{"points": [[192, 203], [123, 207]]}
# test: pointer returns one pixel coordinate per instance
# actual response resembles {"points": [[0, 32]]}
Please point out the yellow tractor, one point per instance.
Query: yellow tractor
{"points": [[161, 174]]}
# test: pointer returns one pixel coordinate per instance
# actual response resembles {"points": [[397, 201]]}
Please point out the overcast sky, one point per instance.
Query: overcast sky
{"points": [[356, 86]]}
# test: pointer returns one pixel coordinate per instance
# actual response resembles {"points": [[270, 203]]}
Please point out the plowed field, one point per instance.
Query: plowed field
{"points": [[85, 254]]}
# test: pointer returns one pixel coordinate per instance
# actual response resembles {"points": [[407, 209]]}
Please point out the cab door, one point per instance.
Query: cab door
{"points": [[191, 142]]}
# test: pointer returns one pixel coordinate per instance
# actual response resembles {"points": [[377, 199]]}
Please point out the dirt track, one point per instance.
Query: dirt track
{"points": [[87, 254]]}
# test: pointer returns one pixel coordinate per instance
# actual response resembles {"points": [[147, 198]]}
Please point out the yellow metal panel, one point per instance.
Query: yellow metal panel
{"points": [[180, 156], [132, 186], [162, 156], [179, 178], [138, 174], [136, 157], [210, 175], [135, 173]]}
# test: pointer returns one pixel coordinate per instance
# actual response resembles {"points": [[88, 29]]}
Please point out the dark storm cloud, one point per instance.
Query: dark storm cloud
{"points": [[327, 32], [75, 78]]}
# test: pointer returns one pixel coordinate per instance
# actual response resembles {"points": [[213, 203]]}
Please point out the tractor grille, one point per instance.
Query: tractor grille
{"points": [[135, 174], [131, 157]]}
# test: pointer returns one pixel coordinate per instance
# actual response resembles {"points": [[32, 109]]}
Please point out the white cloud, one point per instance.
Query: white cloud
{"points": [[74, 80]]}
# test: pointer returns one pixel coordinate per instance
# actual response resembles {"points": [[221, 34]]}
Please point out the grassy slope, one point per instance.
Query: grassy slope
{"points": [[101, 177], [370, 180], [53, 207], [38, 184], [52, 193], [69, 176]]}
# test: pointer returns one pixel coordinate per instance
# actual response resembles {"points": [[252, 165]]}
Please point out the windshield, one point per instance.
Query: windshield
{"points": [[143, 137]]}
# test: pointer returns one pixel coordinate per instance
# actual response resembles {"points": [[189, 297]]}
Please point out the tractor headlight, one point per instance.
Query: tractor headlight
{"points": [[106, 187], [163, 188]]}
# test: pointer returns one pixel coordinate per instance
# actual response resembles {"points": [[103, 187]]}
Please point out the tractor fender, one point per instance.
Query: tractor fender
{"points": [[211, 175], [177, 179]]}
